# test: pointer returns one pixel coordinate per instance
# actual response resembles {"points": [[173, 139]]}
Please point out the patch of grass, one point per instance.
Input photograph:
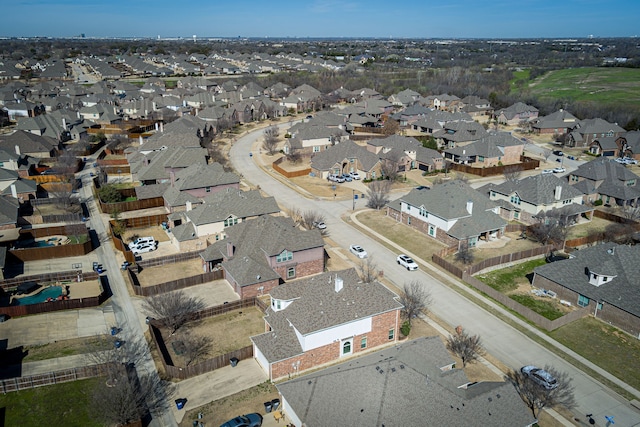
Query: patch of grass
{"points": [[591, 84], [508, 279], [66, 404], [66, 348], [613, 350], [543, 308]]}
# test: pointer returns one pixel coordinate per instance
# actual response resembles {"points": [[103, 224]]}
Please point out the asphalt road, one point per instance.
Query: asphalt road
{"points": [[501, 340]]}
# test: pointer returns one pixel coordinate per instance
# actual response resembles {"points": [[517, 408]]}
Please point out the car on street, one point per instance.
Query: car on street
{"points": [[558, 153], [358, 251], [407, 262], [320, 225], [540, 376], [354, 175], [248, 420], [547, 171], [559, 170], [347, 177], [422, 187]]}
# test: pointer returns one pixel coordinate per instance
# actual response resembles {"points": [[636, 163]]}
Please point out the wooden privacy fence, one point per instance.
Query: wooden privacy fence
{"points": [[289, 174], [168, 259], [173, 285], [209, 364], [508, 258], [49, 378], [526, 312], [134, 205], [49, 252], [48, 307], [526, 163]]}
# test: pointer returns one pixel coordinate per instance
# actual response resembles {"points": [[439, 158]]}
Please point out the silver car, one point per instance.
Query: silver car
{"points": [[540, 376]]}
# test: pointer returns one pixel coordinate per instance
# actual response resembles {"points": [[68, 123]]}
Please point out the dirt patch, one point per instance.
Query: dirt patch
{"points": [[151, 276], [156, 232], [227, 332]]}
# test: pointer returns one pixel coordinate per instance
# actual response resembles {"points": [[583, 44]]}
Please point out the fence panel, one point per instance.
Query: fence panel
{"points": [[56, 377]]}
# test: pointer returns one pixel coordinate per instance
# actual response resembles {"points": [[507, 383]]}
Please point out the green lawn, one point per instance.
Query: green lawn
{"points": [[603, 85], [508, 279], [66, 404], [616, 352], [543, 308]]}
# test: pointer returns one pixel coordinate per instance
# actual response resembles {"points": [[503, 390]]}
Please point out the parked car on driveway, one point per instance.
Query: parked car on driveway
{"points": [[347, 177], [540, 377], [142, 240], [335, 178], [358, 251], [248, 420], [354, 175], [547, 171], [143, 248], [559, 170], [320, 225], [407, 262]]}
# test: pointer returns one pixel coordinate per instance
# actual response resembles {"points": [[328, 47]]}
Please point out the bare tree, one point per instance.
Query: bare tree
{"points": [[270, 143], [550, 228], [367, 269], [546, 153], [390, 127], [294, 155], [631, 213], [196, 347], [296, 215], [378, 194], [537, 397], [512, 173], [466, 347], [67, 164], [464, 254], [415, 298], [390, 165], [172, 309], [62, 192]]}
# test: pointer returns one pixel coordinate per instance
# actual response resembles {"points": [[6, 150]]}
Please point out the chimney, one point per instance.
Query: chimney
{"points": [[140, 140], [161, 126], [64, 123], [558, 192], [189, 207], [470, 206], [172, 176], [156, 125], [14, 193], [17, 150], [338, 284]]}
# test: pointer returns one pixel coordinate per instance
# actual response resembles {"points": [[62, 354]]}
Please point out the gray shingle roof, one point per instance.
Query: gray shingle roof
{"points": [[537, 189], [328, 158], [203, 175], [402, 386], [241, 204], [607, 259]]}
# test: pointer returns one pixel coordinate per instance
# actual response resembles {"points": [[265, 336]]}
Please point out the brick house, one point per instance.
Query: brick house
{"points": [[586, 131], [492, 150], [260, 254], [516, 113], [558, 123], [602, 277], [321, 319], [451, 213]]}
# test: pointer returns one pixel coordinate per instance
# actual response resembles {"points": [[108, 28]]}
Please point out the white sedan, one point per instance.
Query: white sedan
{"points": [[358, 251]]}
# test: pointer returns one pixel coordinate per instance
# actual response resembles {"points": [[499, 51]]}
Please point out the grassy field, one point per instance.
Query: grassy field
{"points": [[603, 85], [608, 347], [508, 279], [66, 404]]}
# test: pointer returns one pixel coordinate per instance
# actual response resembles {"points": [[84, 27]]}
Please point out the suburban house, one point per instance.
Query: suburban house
{"points": [[311, 139], [9, 208], [324, 318], [442, 102], [413, 383], [262, 253], [527, 198], [558, 123], [407, 152], [437, 119], [459, 133], [156, 167], [27, 144], [346, 157], [491, 150], [602, 277], [190, 229], [475, 106], [411, 114], [607, 180], [629, 144], [605, 147], [585, 131], [451, 213], [404, 98], [516, 113]]}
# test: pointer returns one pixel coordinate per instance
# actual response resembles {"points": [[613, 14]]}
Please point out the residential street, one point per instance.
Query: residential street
{"points": [[501, 340]]}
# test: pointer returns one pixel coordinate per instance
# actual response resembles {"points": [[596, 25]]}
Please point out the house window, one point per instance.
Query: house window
{"points": [[230, 221], [432, 231], [392, 333], [515, 200], [346, 347], [424, 213], [284, 256], [207, 189], [516, 215], [481, 159], [409, 220], [599, 306], [291, 272], [316, 148], [363, 342], [583, 301]]}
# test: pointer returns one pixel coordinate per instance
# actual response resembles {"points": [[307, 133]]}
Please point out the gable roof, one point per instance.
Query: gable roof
{"points": [[537, 189], [201, 175], [431, 393], [607, 258], [241, 204], [348, 149]]}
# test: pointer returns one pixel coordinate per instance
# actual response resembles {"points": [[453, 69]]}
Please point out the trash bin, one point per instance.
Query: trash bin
{"points": [[267, 407], [117, 343], [114, 330], [275, 404], [234, 361]]}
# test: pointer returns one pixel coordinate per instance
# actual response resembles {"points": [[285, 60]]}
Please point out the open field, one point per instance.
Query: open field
{"points": [[603, 85]]}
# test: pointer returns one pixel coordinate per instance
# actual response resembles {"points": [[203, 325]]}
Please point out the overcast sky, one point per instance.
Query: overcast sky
{"points": [[321, 18]]}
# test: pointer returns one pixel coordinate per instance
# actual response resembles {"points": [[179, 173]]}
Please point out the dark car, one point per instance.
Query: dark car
{"points": [[558, 153], [248, 420]]}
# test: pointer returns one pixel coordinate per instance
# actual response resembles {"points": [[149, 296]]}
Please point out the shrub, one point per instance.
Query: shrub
{"points": [[598, 202], [405, 328]]}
